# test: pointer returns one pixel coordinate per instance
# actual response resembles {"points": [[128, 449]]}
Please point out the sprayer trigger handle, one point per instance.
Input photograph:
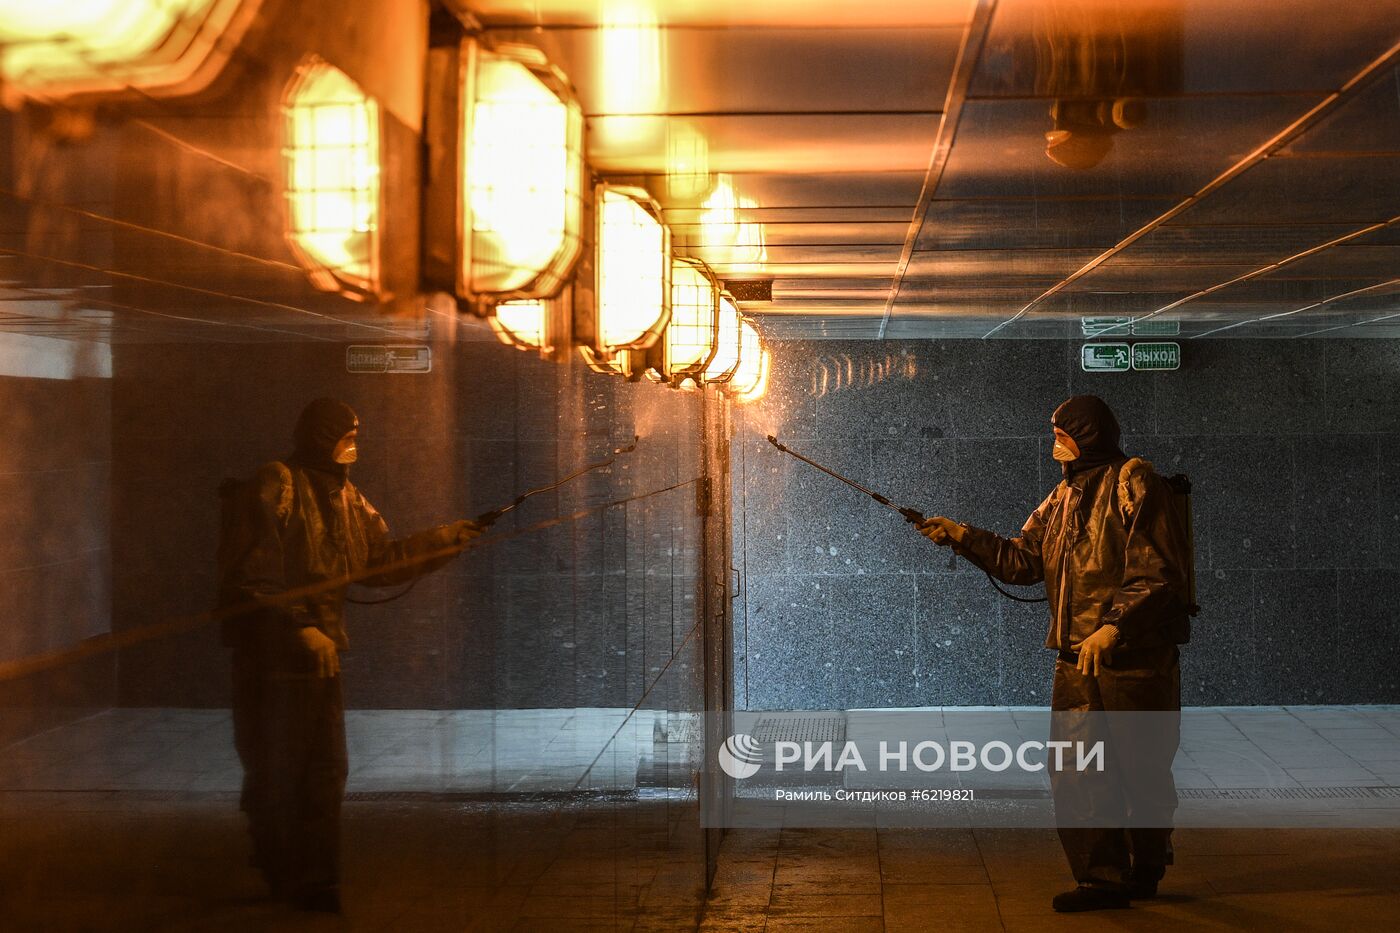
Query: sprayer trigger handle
{"points": [[913, 516], [487, 519]]}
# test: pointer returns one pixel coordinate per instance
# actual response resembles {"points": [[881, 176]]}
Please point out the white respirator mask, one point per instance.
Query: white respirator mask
{"points": [[347, 454]]}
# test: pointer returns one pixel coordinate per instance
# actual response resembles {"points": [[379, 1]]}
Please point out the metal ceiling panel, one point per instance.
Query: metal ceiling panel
{"points": [[815, 233], [732, 13], [793, 143], [750, 70], [816, 269], [780, 255], [1180, 145], [1207, 46], [687, 216], [1317, 190], [1257, 243], [1004, 267], [1368, 123], [1035, 223]]}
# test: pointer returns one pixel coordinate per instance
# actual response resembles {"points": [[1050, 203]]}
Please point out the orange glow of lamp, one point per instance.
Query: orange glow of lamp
{"points": [[522, 187], [531, 323], [728, 346], [750, 380], [692, 337], [332, 161], [632, 291], [51, 49]]}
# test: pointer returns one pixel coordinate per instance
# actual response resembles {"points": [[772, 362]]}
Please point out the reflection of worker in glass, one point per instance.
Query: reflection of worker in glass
{"points": [[1099, 64], [1114, 557], [1083, 131], [301, 524]]}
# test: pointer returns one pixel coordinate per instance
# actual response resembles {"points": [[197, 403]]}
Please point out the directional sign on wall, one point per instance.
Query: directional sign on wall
{"points": [[1156, 327], [1105, 358], [1119, 326], [376, 358], [1095, 326], [1156, 356]]}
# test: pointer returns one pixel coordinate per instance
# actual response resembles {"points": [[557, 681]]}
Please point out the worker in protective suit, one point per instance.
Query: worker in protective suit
{"points": [[302, 525], [1113, 554]]}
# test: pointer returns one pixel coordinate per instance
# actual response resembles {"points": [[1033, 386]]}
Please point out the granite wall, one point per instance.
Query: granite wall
{"points": [[55, 563], [598, 610], [1293, 447]]}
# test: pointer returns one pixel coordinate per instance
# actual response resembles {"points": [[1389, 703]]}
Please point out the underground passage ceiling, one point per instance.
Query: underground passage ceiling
{"points": [[895, 170]]}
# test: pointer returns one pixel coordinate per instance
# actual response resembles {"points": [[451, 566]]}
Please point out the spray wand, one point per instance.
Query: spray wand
{"points": [[487, 519], [913, 516]]}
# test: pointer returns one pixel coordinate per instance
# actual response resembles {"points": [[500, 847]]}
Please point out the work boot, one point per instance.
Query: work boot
{"points": [[1086, 897], [1142, 881]]}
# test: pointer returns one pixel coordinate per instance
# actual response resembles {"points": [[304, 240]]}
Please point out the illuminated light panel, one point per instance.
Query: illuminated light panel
{"points": [[57, 48], [521, 323], [617, 364], [332, 159], [523, 176], [722, 228], [752, 371], [693, 333], [633, 267], [727, 349]]}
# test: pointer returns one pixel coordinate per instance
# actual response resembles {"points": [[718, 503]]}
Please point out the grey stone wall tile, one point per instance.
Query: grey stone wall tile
{"points": [[1295, 625], [1244, 387], [790, 639], [1387, 495], [960, 641], [1220, 666], [1367, 622], [1337, 511], [1363, 384]]}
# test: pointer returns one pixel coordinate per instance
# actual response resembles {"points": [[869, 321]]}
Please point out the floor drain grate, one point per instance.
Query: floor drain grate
{"points": [[800, 729], [1287, 793]]}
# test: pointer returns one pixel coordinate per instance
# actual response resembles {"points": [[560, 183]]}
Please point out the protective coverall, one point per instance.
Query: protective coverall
{"points": [[301, 523], [1111, 550]]}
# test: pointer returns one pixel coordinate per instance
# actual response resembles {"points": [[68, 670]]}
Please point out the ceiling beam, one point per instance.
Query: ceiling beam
{"points": [[969, 53], [1344, 296]]}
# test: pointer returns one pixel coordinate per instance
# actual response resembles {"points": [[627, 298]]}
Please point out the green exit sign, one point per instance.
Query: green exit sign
{"points": [[1104, 358], [1156, 357]]}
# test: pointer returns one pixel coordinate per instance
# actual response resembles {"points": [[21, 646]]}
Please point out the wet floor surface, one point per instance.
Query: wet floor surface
{"points": [[124, 862], [537, 821]]}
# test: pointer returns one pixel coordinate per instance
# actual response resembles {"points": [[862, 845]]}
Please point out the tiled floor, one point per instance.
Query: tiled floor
{"points": [[126, 821], [495, 751]]}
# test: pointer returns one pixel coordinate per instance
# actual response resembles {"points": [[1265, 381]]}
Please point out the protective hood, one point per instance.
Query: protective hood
{"points": [[1089, 420], [321, 426]]}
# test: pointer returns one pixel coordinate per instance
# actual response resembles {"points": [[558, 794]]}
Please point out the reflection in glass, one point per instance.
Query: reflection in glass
{"points": [[1099, 62], [523, 175], [332, 159], [688, 179], [52, 48], [721, 227], [521, 323]]}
